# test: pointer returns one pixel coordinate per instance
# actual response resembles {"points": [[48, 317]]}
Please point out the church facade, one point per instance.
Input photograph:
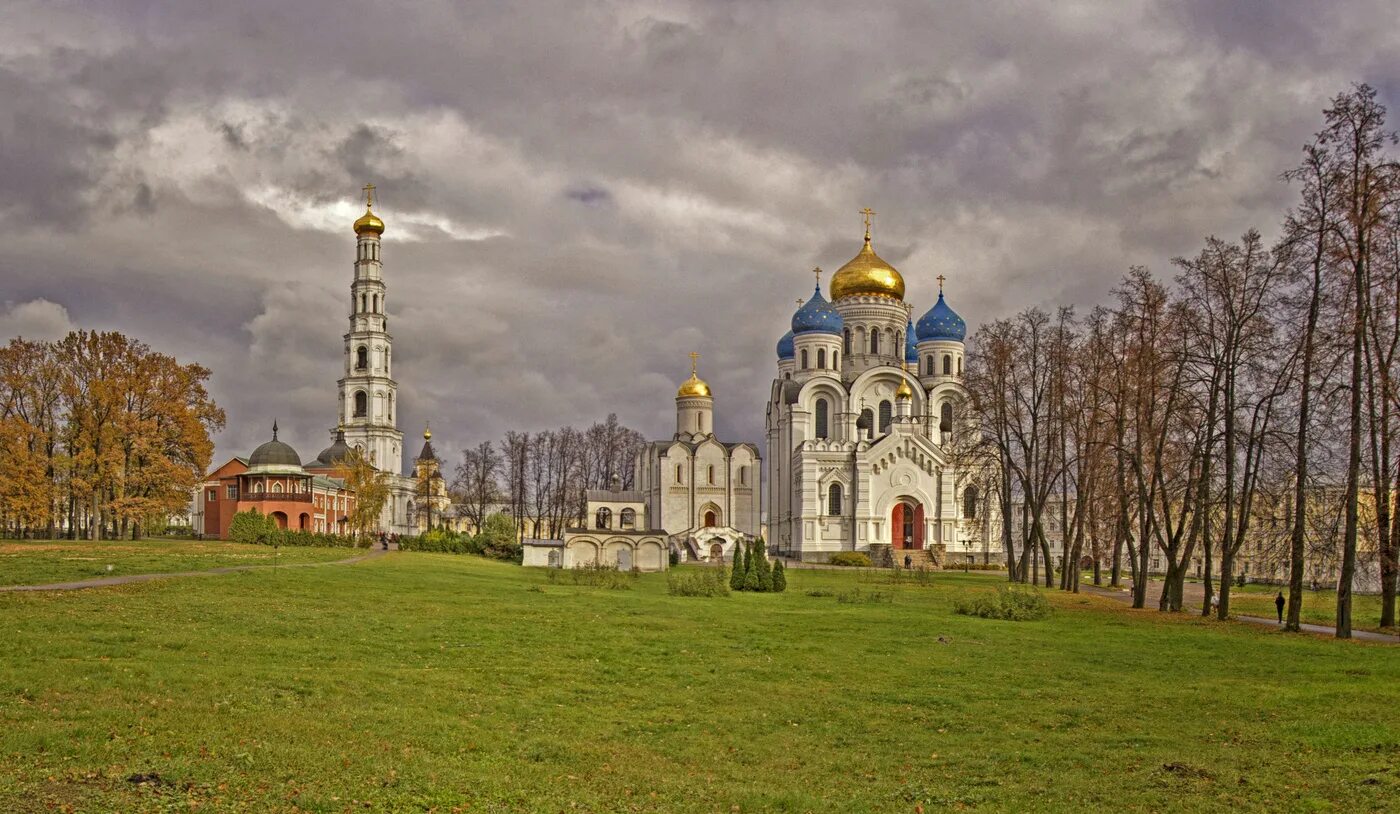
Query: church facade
{"points": [[705, 493], [860, 424]]}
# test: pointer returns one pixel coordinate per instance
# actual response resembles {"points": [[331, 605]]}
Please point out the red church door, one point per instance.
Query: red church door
{"points": [[897, 526], [919, 526]]}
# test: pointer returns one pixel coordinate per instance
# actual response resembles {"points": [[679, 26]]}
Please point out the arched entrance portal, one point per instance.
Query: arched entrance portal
{"points": [[716, 552], [907, 525]]}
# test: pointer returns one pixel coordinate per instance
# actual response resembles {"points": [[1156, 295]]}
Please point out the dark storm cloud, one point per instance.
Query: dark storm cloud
{"points": [[579, 194]]}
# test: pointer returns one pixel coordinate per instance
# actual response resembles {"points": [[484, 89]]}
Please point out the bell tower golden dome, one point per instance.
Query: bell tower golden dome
{"points": [[866, 274], [369, 222], [694, 386]]}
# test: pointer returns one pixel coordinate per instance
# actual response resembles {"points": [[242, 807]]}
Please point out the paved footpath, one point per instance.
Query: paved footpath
{"points": [[102, 582], [1321, 630]]}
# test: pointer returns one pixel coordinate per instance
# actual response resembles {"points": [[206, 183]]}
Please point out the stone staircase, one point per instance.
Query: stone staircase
{"points": [[884, 556]]}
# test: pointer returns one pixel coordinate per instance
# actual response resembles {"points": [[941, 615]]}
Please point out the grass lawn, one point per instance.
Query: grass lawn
{"points": [[1319, 607], [37, 562], [420, 682]]}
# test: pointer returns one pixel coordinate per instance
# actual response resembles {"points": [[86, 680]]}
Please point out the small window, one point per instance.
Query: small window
{"points": [[804, 358], [361, 357], [929, 365], [679, 472], [628, 518], [959, 365], [213, 495], [833, 500], [886, 416], [947, 365], [945, 417], [835, 360], [821, 358], [868, 419], [823, 427], [845, 343], [603, 520], [743, 476], [710, 520], [232, 492], [711, 475], [970, 503], [875, 341], [277, 487]]}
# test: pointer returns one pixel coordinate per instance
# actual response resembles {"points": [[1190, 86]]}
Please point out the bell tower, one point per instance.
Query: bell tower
{"points": [[368, 391]]}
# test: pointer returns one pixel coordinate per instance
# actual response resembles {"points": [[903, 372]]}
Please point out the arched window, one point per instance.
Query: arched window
{"points": [[859, 338], [886, 416], [845, 342], [875, 340], [833, 500], [947, 365], [710, 520], [361, 404], [929, 365], [391, 406], [628, 518], [804, 358], [959, 365], [603, 519], [743, 476], [361, 357], [679, 472], [277, 487], [835, 360], [823, 430], [970, 503], [711, 475], [387, 357], [945, 418], [821, 358], [867, 418]]}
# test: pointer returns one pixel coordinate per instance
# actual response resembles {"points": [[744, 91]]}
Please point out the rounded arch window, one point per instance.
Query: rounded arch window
{"points": [[821, 358], [846, 341], [804, 358], [361, 404], [970, 495], [833, 499], [947, 365], [628, 518], [886, 416], [361, 357], [874, 340], [603, 519], [711, 474], [945, 417], [929, 365], [823, 429]]}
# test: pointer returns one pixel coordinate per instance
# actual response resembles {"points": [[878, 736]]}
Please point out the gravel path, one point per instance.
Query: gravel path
{"points": [[102, 582]]}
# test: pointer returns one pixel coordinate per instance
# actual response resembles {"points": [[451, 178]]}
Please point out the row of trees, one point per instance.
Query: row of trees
{"points": [[1168, 422], [540, 479], [99, 435]]}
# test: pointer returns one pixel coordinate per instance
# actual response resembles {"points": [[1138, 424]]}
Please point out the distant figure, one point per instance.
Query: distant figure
{"points": [[908, 560], [1279, 602]]}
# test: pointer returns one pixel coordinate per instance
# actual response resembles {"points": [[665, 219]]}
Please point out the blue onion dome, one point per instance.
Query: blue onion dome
{"points": [[785, 348], [817, 316], [942, 322], [911, 345]]}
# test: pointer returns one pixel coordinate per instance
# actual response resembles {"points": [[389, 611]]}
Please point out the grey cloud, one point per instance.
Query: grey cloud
{"points": [[594, 190]]}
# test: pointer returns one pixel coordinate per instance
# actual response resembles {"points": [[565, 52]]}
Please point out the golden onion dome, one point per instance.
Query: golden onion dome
{"points": [[904, 391], [369, 222], [693, 387], [866, 274]]}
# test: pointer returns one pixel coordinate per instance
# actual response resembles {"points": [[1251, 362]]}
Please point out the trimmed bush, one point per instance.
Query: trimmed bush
{"points": [[751, 575], [1011, 604], [762, 566], [853, 559], [702, 582], [736, 572], [779, 577], [252, 527]]}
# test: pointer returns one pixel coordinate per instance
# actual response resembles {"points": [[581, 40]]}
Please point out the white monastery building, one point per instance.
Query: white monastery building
{"points": [[860, 426], [703, 492]]}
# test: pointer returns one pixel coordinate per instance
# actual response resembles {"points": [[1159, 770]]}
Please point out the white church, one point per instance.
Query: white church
{"points": [[860, 426]]}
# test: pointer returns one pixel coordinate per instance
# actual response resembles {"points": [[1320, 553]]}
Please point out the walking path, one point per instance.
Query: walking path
{"points": [[1321, 630], [102, 582]]}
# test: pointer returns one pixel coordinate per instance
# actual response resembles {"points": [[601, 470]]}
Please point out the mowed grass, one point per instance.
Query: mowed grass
{"points": [[38, 562], [1319, 607], [420, 682]]}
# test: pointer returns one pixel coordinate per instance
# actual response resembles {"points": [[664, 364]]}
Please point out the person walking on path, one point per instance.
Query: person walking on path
{"points": [[1279, 602]]}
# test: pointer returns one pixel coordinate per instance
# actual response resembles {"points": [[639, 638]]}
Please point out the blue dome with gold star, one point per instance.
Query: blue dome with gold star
{"points": [[817, 316], [942, 323], [911, 349]]}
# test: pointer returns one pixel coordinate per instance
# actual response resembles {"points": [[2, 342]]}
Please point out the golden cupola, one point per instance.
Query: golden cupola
{"points": [[905, 392], [866, 274], [694, 387], [369, 223]]}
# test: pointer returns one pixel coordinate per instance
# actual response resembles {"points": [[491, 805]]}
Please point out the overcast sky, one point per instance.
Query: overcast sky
{"points": [[579, 194]]}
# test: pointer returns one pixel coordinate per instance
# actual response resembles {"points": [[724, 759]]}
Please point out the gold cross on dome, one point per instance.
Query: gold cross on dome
{"points": [[869, 214], [369, 195], [799, 302], [818, 271], [940, 279], [694, 357]]}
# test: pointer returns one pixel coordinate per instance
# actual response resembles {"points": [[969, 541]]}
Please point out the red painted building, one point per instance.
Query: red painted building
{"points": [[273, 481]]}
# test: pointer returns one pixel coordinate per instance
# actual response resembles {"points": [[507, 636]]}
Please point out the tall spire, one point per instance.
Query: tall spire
{"points": [[274, 429]]}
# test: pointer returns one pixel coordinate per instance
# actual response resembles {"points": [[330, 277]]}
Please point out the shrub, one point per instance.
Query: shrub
{"points": [[856, 596], [762, 566], [251, 527], [854, 559], [1011, 604], [594, 575], [751, 579], [702, 582], [779, 577], [736, 572], [674, 558]]}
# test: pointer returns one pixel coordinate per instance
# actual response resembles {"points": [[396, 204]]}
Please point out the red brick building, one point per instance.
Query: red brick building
{"points": [[273, 481]]}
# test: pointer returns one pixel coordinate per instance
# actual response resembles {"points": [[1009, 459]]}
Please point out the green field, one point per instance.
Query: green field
{"points": [[37, 562], [418, 682]]}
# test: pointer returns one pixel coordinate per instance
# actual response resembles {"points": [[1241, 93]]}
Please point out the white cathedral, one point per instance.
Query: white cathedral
{"points": [[860, 427]]}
